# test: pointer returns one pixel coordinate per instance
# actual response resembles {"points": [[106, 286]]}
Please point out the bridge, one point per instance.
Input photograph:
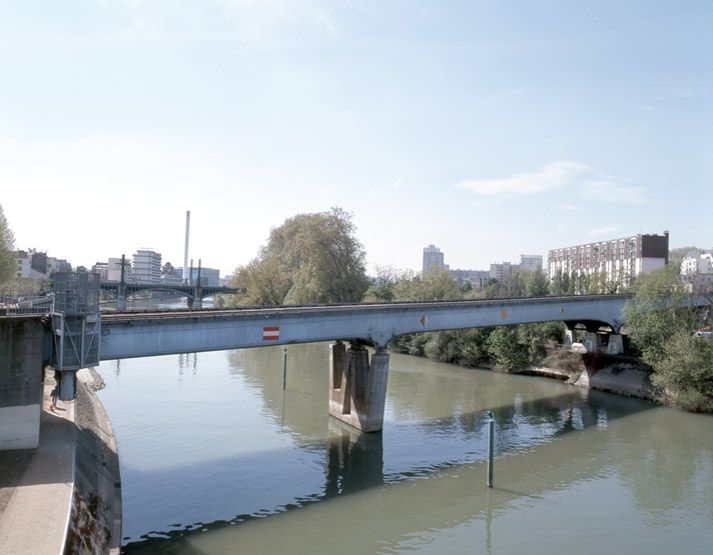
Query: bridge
{"points": [[77, 335], [357, 383], [193, 293]]}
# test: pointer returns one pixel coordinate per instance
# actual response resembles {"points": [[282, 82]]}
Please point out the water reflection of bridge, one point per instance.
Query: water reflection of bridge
{"points": [[564, 436]]}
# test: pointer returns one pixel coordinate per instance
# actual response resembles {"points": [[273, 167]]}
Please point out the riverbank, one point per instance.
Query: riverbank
{"points": [[37, 485], [621, 377], [64, 496], [95, 525]]}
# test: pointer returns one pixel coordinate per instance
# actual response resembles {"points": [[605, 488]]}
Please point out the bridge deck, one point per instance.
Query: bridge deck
{"points": [[136, 334]]}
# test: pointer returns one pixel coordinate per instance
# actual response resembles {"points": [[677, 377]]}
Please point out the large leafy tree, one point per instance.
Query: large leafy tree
{"points": [[311, 258], [657, 311], [661, 320], [7, 250]]}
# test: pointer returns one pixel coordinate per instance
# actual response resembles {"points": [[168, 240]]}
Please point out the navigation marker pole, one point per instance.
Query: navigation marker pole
{"points": [[491, 442], [284, 368]]}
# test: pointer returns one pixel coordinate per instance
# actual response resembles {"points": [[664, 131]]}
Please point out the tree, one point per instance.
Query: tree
{"points": [[505, 350], [538, 284], [517, 284], [661, 320], [434, 285], [686, 368], [382, 286], [562, 283], [8, 264], [310, 258], [656, 312]]}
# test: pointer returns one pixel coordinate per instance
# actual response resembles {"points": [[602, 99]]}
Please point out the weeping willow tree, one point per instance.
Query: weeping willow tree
{"points": [[310, 258]]}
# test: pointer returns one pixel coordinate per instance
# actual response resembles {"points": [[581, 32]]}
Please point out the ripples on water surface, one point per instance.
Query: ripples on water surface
{"points": [[216, 458]]}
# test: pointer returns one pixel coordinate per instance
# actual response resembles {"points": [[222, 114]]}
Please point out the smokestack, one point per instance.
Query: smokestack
{"points": [[186, 275]]}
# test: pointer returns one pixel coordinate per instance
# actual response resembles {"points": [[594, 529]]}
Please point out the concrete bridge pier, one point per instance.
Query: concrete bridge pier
{"points": [[592, 341], [22, 341], [194, 303], [357, 386], [569, 337], [616, 344], [67, 385]]}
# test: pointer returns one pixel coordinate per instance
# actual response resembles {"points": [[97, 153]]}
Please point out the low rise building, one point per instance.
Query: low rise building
{"points": [[697, 270], [32, 264], [434, 259]]}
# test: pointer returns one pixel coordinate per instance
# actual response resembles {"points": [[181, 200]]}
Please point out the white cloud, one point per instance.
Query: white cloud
{"points": [[548, 177], [602, 231], [612, 191]]}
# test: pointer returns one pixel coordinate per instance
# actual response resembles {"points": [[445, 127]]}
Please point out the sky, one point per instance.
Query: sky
{"points": [[489, 129]]}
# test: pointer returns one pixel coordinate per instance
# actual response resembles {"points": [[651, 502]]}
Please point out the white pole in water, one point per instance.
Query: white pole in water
{"points": [[491, 442], [284, 368]]}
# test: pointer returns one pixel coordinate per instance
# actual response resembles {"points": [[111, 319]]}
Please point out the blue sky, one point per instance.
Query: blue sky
{"points": [[491, 129]]}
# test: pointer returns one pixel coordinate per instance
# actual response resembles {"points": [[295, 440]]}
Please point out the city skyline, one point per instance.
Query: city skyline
{"points": [[487, 130]]}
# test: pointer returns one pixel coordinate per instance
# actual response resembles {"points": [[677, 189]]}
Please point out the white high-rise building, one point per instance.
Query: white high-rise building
{"points": [[147, 266], [433, 259]]}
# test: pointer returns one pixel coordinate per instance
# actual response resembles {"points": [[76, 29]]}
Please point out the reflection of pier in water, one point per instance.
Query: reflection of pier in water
{"points": [[551, 437]]}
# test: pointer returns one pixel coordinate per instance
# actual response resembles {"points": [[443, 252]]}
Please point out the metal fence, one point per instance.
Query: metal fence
{"points": [[76, 293], [75, 320], [16, 302]]}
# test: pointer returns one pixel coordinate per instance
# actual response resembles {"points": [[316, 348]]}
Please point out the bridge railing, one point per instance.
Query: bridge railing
{"points": [[14, 302]]}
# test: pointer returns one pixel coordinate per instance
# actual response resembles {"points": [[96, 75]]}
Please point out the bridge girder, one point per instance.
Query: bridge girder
{"points": [[147, 334]]}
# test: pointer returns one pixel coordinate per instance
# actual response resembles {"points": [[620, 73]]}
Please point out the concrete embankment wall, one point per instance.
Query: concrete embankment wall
{"points": [[95, 525], [21, 349]]}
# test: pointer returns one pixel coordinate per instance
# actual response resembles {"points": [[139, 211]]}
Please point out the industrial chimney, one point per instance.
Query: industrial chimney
{"points": [[186, 275]]}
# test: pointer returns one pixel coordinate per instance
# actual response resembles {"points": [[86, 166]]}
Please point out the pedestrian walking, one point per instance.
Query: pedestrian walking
{"points": [[54, 395]]}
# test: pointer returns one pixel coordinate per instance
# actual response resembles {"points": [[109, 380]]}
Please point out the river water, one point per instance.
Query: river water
{"points": [[217, 458]]}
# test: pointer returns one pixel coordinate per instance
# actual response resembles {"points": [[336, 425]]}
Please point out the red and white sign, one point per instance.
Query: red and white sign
{"points": [[270, 333]]}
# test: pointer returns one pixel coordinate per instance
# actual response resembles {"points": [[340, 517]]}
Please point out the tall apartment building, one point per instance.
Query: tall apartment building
{"points": [[433, 259], [147, 266], [620, 260]]}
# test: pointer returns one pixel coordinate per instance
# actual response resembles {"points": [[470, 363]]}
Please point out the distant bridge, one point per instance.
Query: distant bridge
{"points": [[194, 293]]}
